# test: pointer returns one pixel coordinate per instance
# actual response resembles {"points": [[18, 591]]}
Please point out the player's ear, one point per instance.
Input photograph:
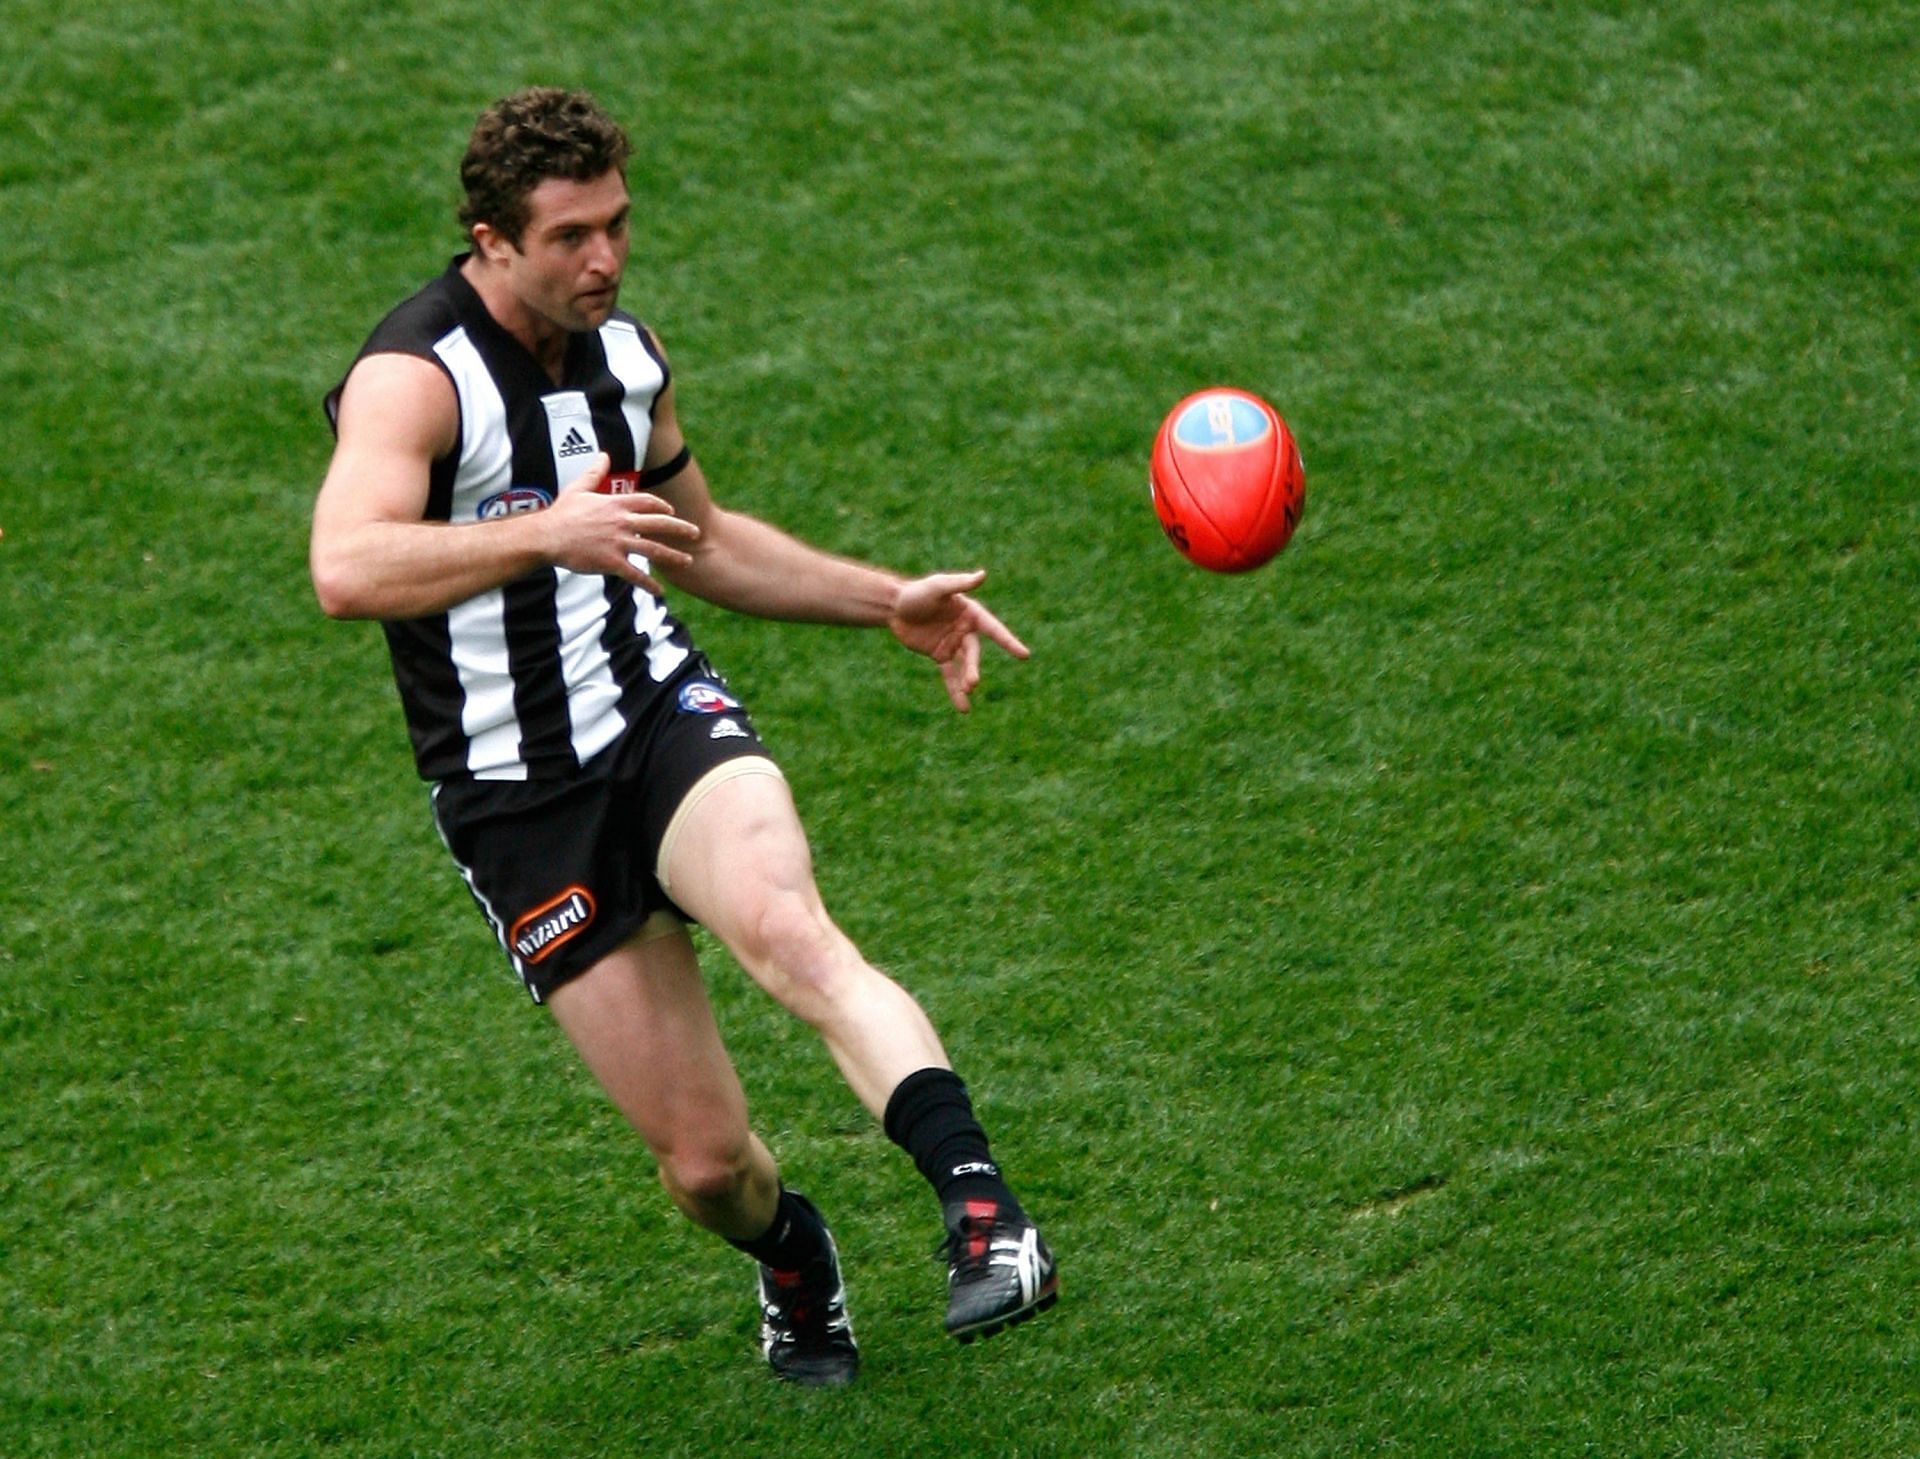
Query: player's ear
{"points": [[490, 243]]}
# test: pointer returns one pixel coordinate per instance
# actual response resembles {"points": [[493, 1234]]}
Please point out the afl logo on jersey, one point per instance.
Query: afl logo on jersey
{"points": [[703, 696], [512, 501]]}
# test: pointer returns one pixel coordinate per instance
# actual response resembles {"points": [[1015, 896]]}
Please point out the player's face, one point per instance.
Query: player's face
{"points": [[573, 251]]}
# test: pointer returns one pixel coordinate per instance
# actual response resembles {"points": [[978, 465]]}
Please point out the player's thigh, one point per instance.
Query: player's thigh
{"points": [[642, 1022], [737, 855]]}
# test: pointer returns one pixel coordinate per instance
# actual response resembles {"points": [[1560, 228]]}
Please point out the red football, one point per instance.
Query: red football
{"points": [[1228, 483]]}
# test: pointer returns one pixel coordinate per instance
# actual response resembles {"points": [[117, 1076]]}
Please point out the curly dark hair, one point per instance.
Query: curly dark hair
{"points": [[523, 139]]}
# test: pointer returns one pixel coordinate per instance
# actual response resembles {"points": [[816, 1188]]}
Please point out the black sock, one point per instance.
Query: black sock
{"points": [[930, 1117], [796, 1237]]}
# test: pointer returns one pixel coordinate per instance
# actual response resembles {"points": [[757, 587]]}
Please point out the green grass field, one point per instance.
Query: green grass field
{"points": [[1455, 992]]}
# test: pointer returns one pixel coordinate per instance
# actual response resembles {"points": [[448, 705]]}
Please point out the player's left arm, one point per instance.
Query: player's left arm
{"points": [[750, 566]]}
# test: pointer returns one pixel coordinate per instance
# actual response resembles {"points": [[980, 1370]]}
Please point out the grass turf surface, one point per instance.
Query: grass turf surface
{"points": [[1452, 992]]}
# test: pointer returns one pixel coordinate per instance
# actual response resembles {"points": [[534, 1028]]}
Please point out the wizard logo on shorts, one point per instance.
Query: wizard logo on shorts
{"points": [[536, 935]]}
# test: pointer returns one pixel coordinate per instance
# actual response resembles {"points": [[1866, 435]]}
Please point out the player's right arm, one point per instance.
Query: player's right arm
{"points": [[373, 554]]}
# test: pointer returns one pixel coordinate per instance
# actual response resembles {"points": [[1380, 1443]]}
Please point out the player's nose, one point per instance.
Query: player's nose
{"points": [[606, 258]]}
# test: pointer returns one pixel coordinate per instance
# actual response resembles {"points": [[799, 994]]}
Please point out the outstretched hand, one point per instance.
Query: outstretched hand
{"points": [[933, 615]]}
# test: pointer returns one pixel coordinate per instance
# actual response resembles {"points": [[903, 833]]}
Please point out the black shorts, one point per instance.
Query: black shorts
{"points": [[565, 870]]}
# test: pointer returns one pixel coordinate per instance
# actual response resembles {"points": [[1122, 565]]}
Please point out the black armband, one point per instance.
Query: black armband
{"points": [[666, 470]]}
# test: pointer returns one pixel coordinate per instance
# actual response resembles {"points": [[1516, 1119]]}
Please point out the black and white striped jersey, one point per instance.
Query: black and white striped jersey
{"points": [[531, 680]]}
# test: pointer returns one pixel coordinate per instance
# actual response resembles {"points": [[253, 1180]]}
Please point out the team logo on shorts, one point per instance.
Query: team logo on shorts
{"points": [[512, 501], [703, 696], [546, 927]]}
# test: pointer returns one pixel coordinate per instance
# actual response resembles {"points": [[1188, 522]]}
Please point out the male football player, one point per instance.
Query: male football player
{"points": [[508, 492]]}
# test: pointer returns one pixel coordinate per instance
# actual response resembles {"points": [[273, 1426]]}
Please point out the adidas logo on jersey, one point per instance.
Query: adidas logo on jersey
{"points": [[727, 729], [575, 445]]}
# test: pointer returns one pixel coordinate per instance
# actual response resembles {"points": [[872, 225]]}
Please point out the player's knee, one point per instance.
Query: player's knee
{"points": [[708, 1177], [810, 959]]}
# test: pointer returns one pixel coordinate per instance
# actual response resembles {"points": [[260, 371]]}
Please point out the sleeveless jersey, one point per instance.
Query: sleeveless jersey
{"points": [[531, 680]]}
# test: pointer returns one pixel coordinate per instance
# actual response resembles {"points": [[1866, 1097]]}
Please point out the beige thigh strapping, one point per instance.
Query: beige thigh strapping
{"points": [[702, 788]]}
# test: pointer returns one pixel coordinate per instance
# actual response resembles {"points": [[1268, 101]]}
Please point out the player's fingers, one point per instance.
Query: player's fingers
{"points": [[999, 632], [951, 644], [653, 524], [936, 588], [958, 582], [646, 501], [956, 689], [661, 552], [633, 573], [593, 477]]}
